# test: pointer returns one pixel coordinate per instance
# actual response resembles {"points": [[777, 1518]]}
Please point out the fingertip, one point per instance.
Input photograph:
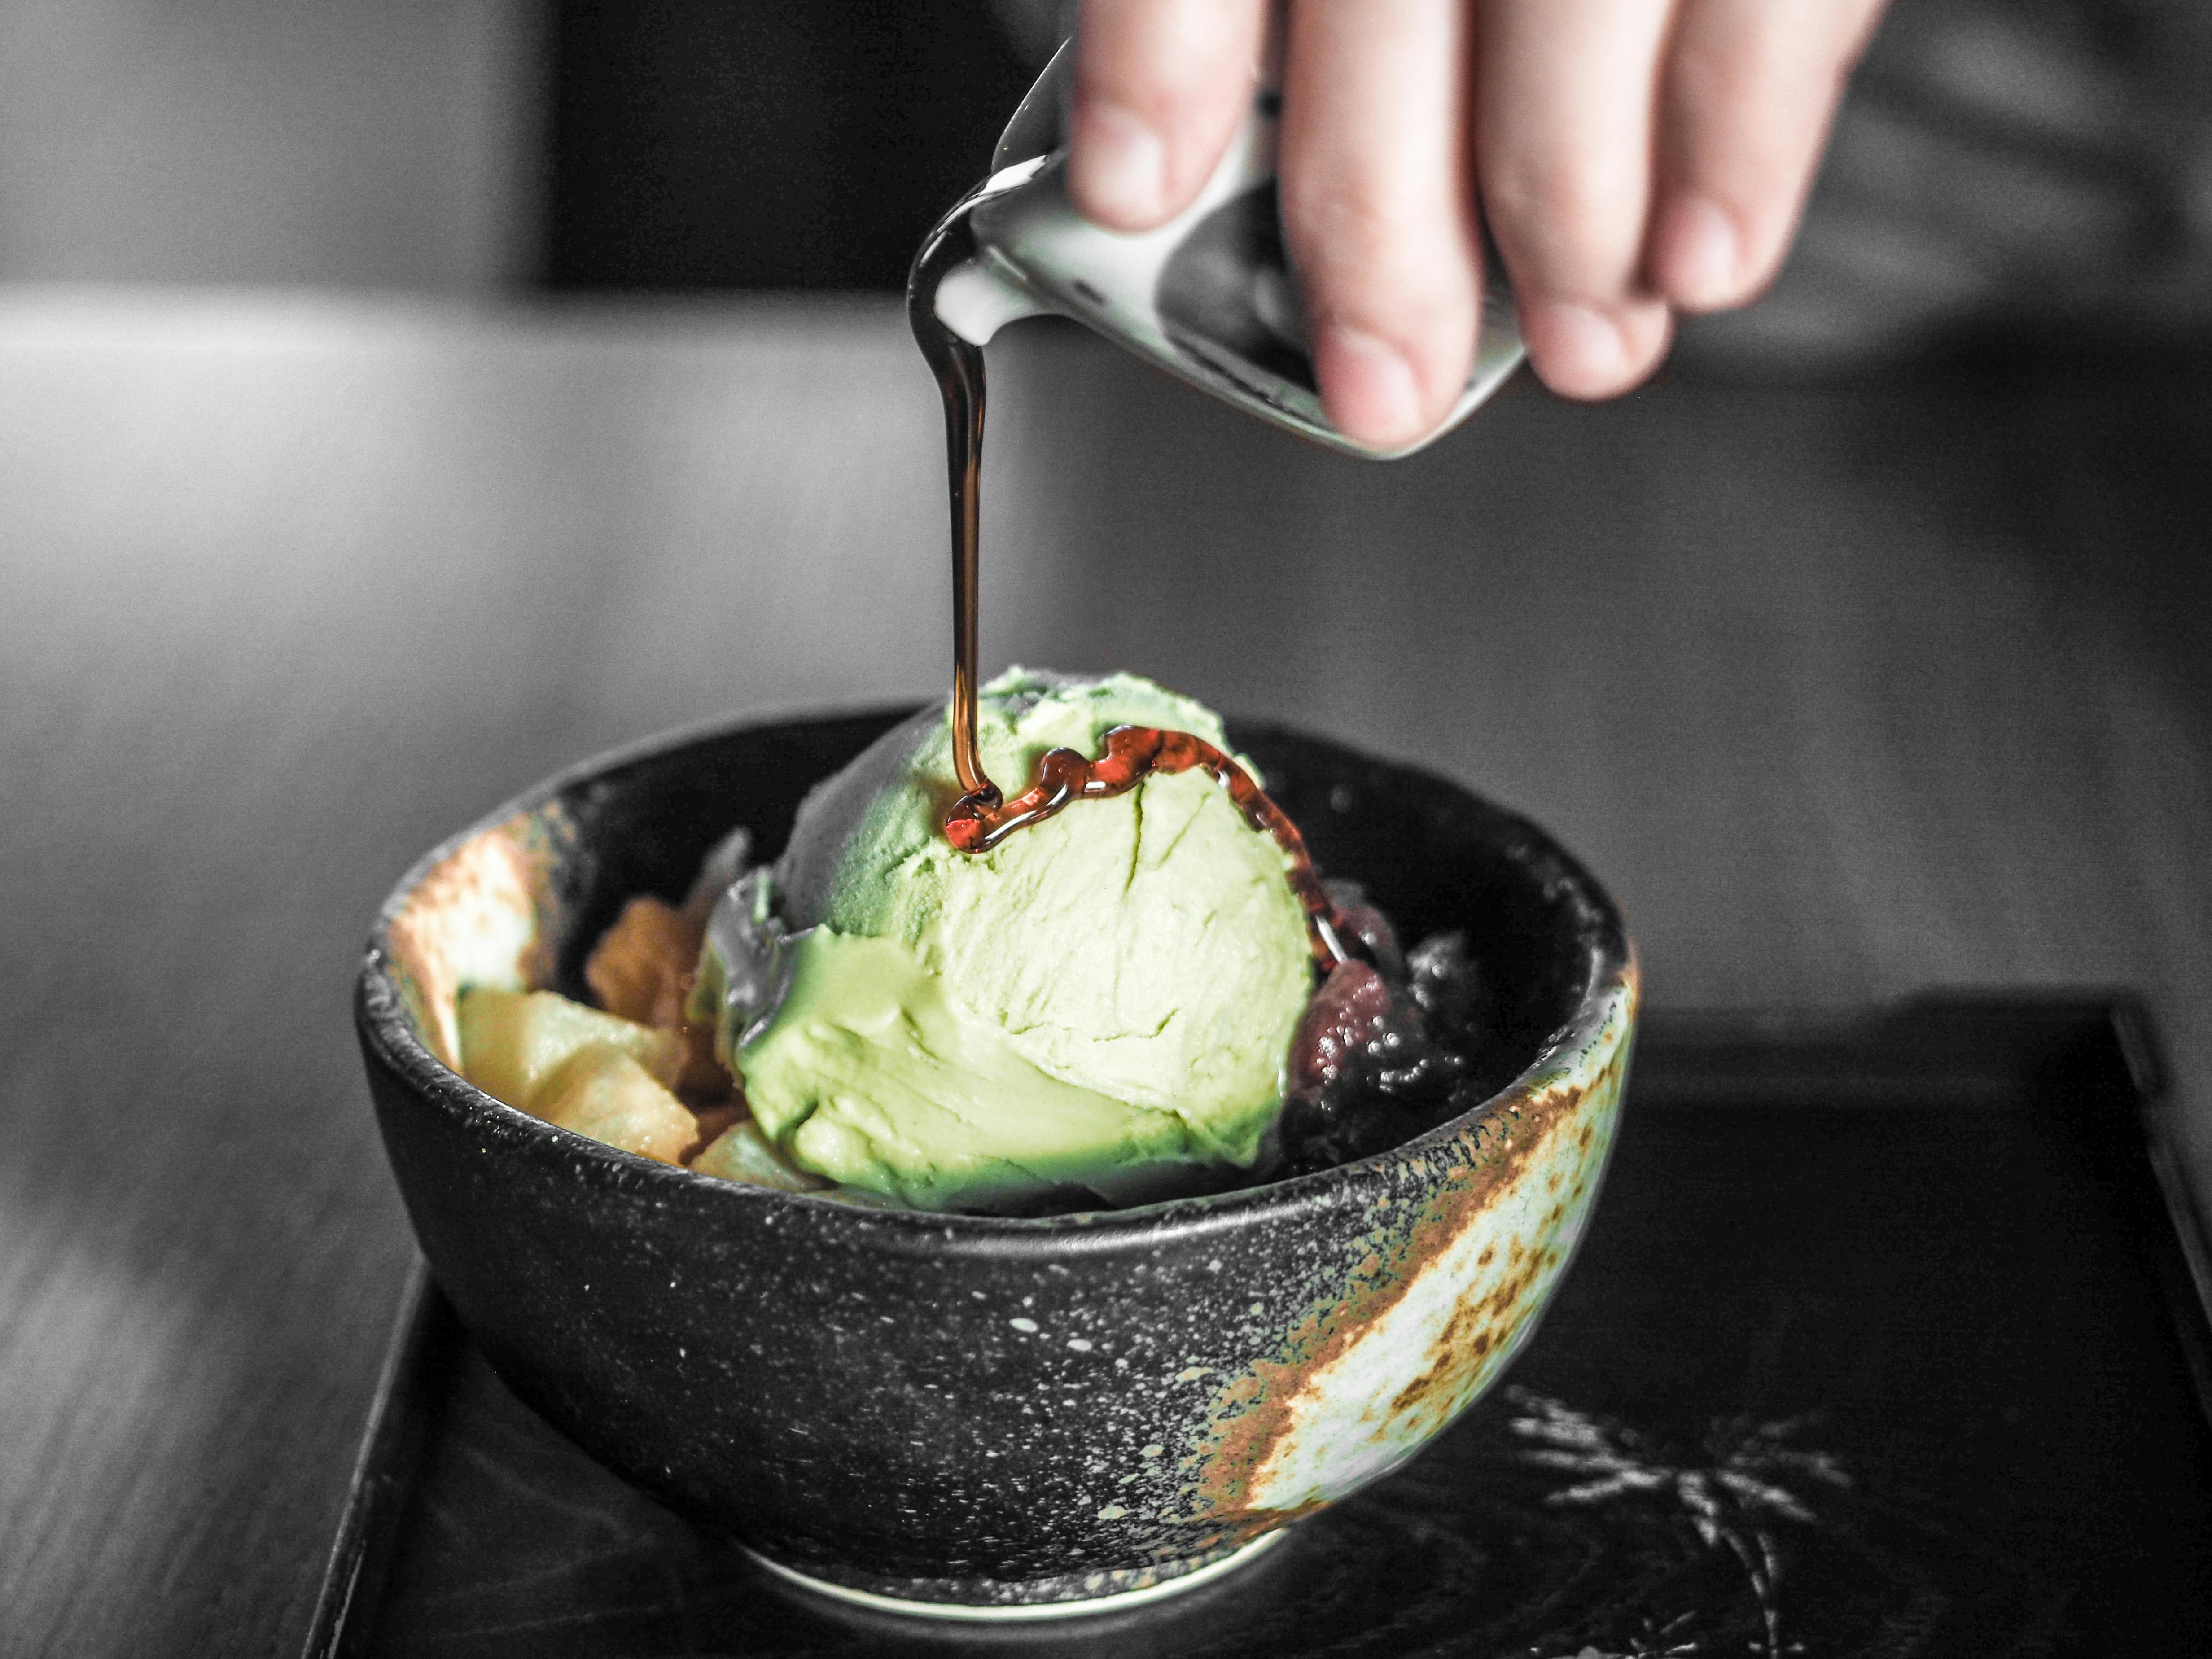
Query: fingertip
{"points": [[1368, 387], [1697, 259], [1586, 352], [1160, 86], [1577, 350], [1117, 166]]}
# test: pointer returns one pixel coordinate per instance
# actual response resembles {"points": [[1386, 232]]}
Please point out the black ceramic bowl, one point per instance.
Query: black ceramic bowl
{"points": [[969, 1413]]}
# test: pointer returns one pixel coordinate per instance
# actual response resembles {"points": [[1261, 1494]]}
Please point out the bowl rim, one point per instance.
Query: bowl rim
{"points": [[1610, 989]]}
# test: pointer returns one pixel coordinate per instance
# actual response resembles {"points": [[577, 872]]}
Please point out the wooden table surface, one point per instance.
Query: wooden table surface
{"points": [[1845, 691]]}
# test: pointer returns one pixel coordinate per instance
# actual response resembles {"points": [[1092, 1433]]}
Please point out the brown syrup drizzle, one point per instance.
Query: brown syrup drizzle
{"points": [[958, 367], [982, 817], [979, 820]]}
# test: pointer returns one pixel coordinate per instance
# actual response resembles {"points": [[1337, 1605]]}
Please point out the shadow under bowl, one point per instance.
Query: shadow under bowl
{"points": [[972, 1413]]}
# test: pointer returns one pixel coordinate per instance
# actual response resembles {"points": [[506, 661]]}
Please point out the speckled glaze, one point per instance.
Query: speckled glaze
{"points": [[988, 1413]]}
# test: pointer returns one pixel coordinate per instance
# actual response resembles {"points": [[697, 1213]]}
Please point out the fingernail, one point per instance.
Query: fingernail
{"points": [[1118, 165], [1579, 351], [1698, 254], [1370, 387]]}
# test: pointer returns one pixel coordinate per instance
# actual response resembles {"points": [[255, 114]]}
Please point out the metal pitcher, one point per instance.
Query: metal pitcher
{"points": [[1209, 296]]}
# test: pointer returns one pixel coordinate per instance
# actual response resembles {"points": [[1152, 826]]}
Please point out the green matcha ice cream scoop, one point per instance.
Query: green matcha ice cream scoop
{"points": [[1102, 1005]]}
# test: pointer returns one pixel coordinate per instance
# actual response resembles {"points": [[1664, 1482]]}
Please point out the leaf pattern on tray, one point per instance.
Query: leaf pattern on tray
{"points": [[1728, 1488]]}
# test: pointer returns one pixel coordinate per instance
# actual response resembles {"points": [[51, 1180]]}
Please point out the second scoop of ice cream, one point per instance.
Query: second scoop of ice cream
{"points": [[1102, 1002]]}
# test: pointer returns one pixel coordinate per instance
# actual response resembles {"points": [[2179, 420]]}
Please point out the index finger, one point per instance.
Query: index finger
{"points": [[1160, 86]]}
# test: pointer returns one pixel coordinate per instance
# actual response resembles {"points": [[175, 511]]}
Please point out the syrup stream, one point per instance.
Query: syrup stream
{"points": [[958, 367], [982, 817]]}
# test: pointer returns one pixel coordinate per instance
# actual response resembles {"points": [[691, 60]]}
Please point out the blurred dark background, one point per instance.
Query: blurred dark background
{"points": [[2004, 166], [702, 145], [2016, 166]]}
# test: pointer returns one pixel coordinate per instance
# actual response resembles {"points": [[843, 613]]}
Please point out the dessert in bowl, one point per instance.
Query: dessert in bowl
{"points": [[968, 1412]]}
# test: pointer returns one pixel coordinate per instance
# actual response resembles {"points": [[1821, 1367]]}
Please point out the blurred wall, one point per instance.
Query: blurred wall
{"points": [[699, 144], [2040, 167], [357, 143], [2031, 167]]}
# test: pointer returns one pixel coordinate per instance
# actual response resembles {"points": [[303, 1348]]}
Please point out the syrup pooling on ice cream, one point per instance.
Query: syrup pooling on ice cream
{"points": [[1135, 753]]}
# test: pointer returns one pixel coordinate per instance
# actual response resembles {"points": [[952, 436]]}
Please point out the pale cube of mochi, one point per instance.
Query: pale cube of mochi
{"points": [[741, 1152], [511, 1041], [602, 1092]]}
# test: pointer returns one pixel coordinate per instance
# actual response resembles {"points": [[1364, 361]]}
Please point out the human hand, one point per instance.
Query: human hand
{"points": [[1635, 159]]}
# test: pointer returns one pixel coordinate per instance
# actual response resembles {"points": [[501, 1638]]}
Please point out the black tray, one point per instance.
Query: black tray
{"points": [[1889, 1337]]}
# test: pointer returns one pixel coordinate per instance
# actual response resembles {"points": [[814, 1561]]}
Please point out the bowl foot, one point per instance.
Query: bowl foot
{"points": [[989, 1601]]}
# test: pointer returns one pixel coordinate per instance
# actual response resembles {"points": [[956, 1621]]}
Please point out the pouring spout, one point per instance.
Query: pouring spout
{"points": [[976, 299]]}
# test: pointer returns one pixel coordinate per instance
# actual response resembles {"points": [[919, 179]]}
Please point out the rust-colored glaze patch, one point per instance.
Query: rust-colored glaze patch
{"points": [[1475, 1331], [1496, 1194], [480, 916]]}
